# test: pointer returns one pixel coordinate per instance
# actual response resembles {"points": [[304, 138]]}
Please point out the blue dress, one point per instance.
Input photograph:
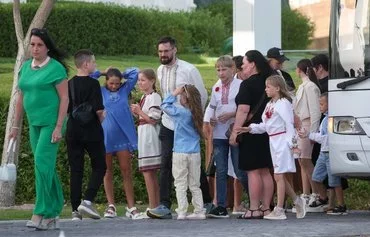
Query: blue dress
{"points": [[118, 125]]}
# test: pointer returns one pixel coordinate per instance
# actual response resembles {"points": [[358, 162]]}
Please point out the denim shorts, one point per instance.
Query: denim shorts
{"points": [[322, 169]]}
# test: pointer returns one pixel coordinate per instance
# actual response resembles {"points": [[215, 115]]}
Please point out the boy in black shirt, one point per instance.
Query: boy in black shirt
{"points": [[83, 136]]}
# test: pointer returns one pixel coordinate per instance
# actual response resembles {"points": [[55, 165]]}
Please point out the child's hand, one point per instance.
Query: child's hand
{"points": [[297, 122], [178, 91], [223, 118], [244, 130], [213, 122], [136, 109]]}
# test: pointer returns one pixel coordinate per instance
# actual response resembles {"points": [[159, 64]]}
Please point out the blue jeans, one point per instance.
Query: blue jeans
{"points": [[221, 149], [322, 169]]}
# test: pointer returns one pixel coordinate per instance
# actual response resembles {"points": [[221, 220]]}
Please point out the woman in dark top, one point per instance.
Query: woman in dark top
{"points": [[254, 155]]}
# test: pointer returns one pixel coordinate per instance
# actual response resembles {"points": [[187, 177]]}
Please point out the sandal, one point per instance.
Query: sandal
{"points": [[110, 212], [134, 214], [244, 216], [263, 211]]}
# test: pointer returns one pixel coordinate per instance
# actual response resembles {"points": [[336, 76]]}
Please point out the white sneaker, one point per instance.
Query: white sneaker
{"points": [[277, 214], [313, 198], [196, 216], [300, 205], [181, 216], [110, 212], [88, 210]]}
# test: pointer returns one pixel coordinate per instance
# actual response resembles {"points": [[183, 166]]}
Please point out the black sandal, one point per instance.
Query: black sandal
{"points": [[251, 217]]}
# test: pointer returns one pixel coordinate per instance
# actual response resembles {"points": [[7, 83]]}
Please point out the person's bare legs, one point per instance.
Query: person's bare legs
{"points": [[124, 159], [280, 189], [255, 192], [267, 189], [320, 188], [108, 179], [340, 195], [306, 172], [238, 192], [152, 187]]}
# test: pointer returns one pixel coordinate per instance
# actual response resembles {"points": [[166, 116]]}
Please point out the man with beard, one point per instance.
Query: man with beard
{"points": [[174, 73]]}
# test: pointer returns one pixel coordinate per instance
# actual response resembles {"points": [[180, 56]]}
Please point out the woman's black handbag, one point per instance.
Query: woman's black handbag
{"points": [[83, 113]]}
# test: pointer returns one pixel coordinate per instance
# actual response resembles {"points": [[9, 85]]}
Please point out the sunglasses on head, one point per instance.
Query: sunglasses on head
{"points": [[37, 31]]}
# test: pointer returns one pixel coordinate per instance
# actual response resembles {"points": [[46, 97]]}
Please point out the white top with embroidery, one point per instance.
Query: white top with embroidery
{"points": [[277, 118], [277, 121], [176, 75], [217, 106]]}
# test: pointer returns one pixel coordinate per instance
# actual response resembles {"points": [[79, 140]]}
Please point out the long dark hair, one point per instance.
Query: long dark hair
{"points": [[260, 61], [305, 65], [53, 51]]}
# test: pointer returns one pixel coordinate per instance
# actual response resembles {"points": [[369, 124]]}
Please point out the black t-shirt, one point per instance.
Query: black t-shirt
{"points": [[324, 84], [288, 79], [250, 93], [86, 89]]}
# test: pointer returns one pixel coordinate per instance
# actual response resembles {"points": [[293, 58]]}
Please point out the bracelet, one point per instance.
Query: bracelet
{"points": [[15, 127]]}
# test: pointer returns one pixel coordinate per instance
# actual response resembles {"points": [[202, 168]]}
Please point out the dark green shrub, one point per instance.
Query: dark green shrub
{"points": [[297, 30], [114, 30]]}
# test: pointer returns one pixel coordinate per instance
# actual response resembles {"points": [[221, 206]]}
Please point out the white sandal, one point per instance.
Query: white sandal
{"points": [[110, 212], [134, 214]]}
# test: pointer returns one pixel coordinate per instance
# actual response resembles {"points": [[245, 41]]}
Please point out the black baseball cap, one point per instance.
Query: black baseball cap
{"points": [[277, 54]]}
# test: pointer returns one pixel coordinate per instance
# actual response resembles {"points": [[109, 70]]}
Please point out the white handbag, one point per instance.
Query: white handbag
{"points": [[8, 172]]}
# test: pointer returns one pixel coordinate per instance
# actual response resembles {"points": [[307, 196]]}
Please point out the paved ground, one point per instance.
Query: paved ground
{"points": [[354, 224]]}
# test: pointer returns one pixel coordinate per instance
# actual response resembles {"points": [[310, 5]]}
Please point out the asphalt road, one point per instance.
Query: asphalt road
{"points": [[354, 224]]}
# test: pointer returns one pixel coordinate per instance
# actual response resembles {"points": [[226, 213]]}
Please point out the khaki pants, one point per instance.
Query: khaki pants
{"points": [[186, 172]]}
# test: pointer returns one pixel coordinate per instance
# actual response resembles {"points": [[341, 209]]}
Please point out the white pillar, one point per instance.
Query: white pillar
{"points": [[256, 25]]}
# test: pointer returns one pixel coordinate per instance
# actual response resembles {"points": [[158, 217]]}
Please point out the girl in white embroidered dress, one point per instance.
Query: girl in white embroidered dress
{"points": [[277, 121]]}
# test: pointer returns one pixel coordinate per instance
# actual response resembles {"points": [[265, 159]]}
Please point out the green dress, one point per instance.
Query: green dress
{"points": [[41, 104]]}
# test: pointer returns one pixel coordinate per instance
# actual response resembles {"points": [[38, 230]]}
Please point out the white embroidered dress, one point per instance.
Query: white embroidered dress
{"points": [[277, 121], [149, 145]]}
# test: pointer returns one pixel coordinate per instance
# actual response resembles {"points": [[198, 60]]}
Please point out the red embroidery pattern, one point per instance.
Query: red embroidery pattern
{"points": [[269, 111]]}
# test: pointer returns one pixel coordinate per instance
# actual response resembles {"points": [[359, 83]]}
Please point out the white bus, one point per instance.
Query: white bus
{"points": [[349, 88]]}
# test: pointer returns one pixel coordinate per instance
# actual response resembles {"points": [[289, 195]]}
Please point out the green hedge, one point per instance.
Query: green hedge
{"points": [[114, 30], [297, 29]]}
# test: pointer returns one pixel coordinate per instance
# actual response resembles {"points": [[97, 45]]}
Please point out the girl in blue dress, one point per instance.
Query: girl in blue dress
{"points": [[120, 136]]}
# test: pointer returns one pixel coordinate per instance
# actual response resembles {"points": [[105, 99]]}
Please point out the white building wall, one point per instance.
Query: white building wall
{"points": [[256, 26]]}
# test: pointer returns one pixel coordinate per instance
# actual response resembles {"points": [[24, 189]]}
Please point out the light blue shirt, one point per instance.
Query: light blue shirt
{"points": [[186, 139], [322, 136]]}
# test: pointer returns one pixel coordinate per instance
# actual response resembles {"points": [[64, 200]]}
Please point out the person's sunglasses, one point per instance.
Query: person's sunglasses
{"points": [[37, 31]]}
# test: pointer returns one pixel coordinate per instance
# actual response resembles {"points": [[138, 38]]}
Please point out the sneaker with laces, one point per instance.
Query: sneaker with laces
{"points": [[277, 214], [318, 205], [196, 216], [338, 210], [219, 212], [76, 216], [209, 207], [110, 212], [181, 216], [312, 198], [88, 210], [300, 206], [160, 212]]}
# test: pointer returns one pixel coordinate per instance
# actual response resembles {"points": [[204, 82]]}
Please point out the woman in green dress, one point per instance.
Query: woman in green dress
{"points": [[43, 95]]}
